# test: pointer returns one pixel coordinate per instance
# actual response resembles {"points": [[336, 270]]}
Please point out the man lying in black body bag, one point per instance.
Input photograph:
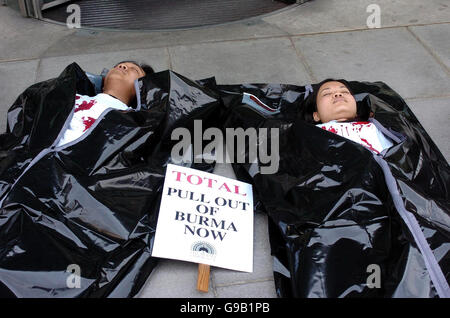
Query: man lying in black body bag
{"points": [[347, 219], [89, 206]]}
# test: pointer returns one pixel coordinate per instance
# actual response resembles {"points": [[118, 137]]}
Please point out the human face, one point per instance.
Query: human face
{"points": [[334, 102], [119, 81], [127, 71]]}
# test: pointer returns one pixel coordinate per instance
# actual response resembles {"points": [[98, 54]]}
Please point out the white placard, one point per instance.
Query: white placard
{"points": [[205, 218]]}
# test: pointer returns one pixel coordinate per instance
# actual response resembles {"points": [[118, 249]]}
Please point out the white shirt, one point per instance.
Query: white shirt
{"points": [[87, 110], [362, 132]]}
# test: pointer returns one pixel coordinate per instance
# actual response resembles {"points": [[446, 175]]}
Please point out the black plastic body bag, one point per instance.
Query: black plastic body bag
{"points": [[334, 209], [338, 215], [89, 207]]}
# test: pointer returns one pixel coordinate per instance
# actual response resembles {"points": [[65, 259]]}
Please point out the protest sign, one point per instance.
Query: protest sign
{"points": [[205, 218]]}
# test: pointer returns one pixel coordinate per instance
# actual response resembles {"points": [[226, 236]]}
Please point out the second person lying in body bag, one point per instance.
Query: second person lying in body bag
{"points": [[79, 207], [359, 205]]}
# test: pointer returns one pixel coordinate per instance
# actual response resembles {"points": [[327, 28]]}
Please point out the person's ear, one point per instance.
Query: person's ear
{"points": [[316, 116]]}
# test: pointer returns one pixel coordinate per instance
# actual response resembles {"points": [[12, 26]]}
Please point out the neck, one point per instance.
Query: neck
{"points": [[124, 98]]}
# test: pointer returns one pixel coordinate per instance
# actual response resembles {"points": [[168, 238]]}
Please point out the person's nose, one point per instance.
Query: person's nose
{"points": [[338, 94], [123, 66]]}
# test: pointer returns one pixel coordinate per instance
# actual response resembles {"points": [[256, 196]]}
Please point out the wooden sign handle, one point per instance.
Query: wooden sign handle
{"points": [[203, 277]]}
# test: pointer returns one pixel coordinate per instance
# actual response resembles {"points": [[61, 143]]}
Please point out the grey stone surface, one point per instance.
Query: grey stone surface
{"points": [[393, 56], [434, 115], [15, 77], [22, 38], [174, 279], [336, 15], [94, 63], [264, 60], [96, 41], [436, 37], [263, 289]]}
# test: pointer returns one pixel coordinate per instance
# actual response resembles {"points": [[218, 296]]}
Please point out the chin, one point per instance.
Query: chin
{"points": [[116, 75], [345, 112]]}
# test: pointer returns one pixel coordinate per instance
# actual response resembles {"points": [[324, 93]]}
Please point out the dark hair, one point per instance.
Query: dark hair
{"points": [[145, 67], [310, 104]]}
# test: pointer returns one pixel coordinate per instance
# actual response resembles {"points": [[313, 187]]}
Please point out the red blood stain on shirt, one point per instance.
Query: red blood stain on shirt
{"points": [[357, 128], [85, 105], [359, 125], [331, 129], [87, 122], [368, 145], [77, 97], [360, 122]]}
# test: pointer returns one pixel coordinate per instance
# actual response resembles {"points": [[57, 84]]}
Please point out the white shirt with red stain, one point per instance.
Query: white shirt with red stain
{"points": [[362, 132], [87, 110]]}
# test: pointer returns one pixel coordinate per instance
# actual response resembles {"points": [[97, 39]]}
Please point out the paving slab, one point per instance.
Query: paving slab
{"points": [[95, 63], [95, 41], [264, 289], [262, 60], [336, 15], [393, 56], [15, 77], [22, 38], [436, 38], [174, 279], [434, 115]]}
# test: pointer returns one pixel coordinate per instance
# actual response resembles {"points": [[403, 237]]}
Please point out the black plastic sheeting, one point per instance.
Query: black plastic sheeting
{"points": [[94, 203], [334, 209], [332, 216]]}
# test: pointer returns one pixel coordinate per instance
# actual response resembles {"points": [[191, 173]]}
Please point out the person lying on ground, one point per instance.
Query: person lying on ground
{"points": [[118, 92], [333, 108]]}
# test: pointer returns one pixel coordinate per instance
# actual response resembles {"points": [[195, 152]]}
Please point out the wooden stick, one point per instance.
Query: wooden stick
{"points": [[203, 277]]}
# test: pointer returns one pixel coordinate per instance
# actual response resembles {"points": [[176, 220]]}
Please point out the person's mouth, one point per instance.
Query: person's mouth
{"points": [[339, 99], [121, 70]]}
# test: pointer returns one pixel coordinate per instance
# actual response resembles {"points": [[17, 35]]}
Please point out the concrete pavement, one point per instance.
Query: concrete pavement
{"points": [[303, 44]]}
